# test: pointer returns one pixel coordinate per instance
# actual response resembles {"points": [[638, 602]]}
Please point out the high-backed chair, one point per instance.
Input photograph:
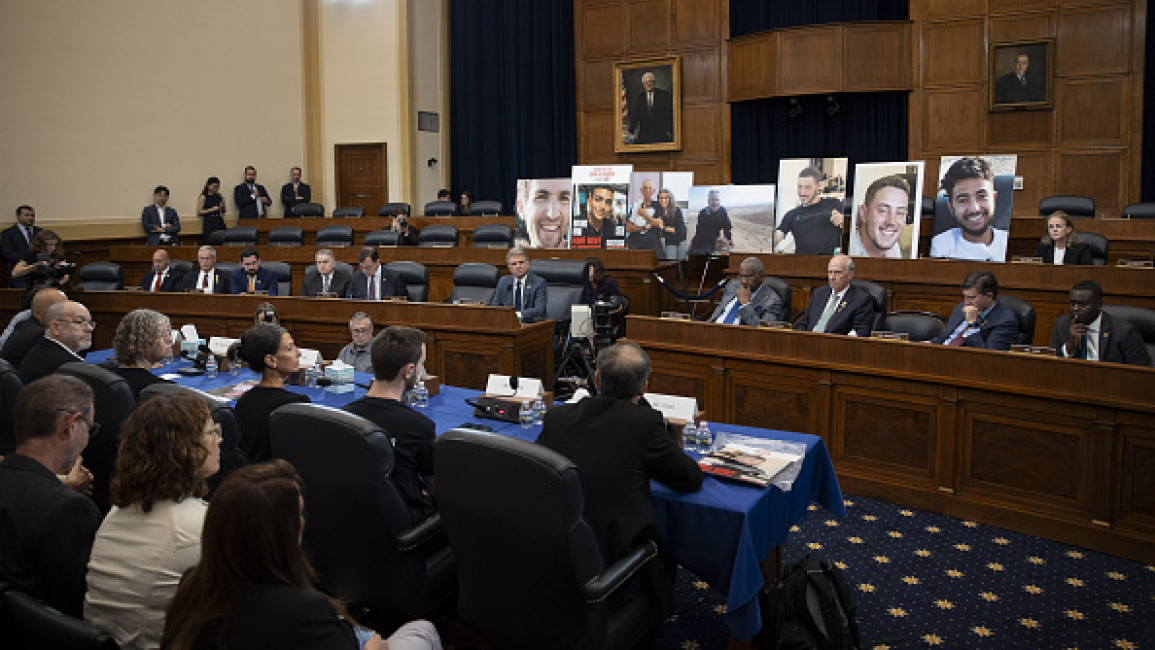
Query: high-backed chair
{"points": [[564, 280], [785, 294], [437, 236], [114, 403], [878, 294], [530, 571], [181, 267], [486, 208], [10, 386], [28, 624], [928, 203], [1024, 313], [348, 212], [101, 276], [918, 325], [287, 235], [416, 278], [492, 235], [307, 210], [217, 238], [1139, 211], [232, 456], [346, 267], [393, 209], [226, 267], [1098, 246], [240, 236], [362, 540], [474, 281], [440, 209], [1141, 318], [1074, 206], [383, 237], [284, 276], [335, 236]]}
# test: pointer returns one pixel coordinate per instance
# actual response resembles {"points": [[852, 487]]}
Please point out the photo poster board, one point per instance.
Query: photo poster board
{"points": [[602, 193], [973, 222], [887, 209], [544, 211], [650, 225], [809, 213], [741, 221]]}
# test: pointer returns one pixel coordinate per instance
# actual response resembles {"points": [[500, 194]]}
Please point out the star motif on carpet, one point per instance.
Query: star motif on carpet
{"points": [[842, 565], [1075, 582], [922, 552], [881, 559], [854, 540], [869, 518], [848, 503], [954, 573], [982, 631], [1036, 560], [814, 546], [866, 587], [896, 612], [1074, 614], [812, 507], [906, 513], [720, 609], [1075, 555], [894, 534], [989, 597], [831, 523], [932, 639], [689, 645], [1120, 607], [1029, 623], [962, 547], [994, 566], [1001, 541], [1123, 643], [794, 529], [1032, 589], [701, 584], [971, 524], [1115, 575], [933, 529], [911, 580], [944, 604]]}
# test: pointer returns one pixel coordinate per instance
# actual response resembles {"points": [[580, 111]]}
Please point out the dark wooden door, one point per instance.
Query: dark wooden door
{"points": [[362, 176]]}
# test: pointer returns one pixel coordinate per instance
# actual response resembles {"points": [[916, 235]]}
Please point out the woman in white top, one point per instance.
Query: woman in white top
{"points": [[169, 446]]}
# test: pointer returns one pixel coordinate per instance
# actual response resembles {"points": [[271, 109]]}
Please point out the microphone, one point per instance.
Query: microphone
{"points": [[513, 384]]}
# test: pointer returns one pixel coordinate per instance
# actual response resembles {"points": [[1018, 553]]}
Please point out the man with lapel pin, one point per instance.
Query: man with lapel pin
{"points": [[162, 277], [980, 320], [522, 290], [839, 307]]}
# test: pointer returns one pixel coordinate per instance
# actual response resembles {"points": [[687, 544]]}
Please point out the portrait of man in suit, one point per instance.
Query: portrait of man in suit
{"points": [[1019, 75], [649, 105], [160, 221]]}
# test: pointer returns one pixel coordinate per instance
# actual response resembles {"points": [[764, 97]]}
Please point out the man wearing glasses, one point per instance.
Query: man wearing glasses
{"points": [[357, 354], [522, 290], [747, 300], [67, 335]]}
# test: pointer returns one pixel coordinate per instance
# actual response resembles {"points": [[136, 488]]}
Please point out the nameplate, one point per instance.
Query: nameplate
{"points": [[774, 324], [1136, 264], [443, 244], [502, 385], [890, 336], [394, 299], [675, 315], [189, 332], [674, 407], [468, 301], [133, 288], [309, 357], [258, 292], [1033, 349], [1019, 259], [219, 345], [326, 294]]}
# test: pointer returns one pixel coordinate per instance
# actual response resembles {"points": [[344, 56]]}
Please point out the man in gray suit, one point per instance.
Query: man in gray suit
{"points": [[748, 299]]}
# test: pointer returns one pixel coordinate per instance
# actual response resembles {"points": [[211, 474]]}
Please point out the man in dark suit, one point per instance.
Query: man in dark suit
{"points": [[67, 335], [1087, 332], [207, 278], [839, 308], [160, 221], [250, 197], [522, 290], [47, 528], [15, 241], [747, 300], [295, 192], [30, 331], [327, 279], [652, 115], [619, 443], [375, 281], [162, 277], [1017, 86], [251, 277], [980, 320]]}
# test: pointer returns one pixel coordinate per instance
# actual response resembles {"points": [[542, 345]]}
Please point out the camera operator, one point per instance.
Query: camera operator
{"points": [[406, 234], [43, 265], [603, 295], [266, 313]]}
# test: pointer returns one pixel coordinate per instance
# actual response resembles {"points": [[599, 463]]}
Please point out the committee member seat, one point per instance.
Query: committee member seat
{"points": [[344, 267], [101, 276], [1025, 314], [287, 235], [348, 212], [227, 267], [440, 208], [217, 238], [1074, 206], [232, 456], [240, 236], [473, 281], [928, 203], [383, 237], [877, 293], [307, 210], [393, 209], [334, 236], [284, 276], [416, 278], [28, 624], [918, 325], [1139, 211], [530, 571], [486, 208], [564, 282], [785, 294], [1098, 246], [114, 403], [1142, 319], [10, 386], [181, 268], [437, 236], [492, 235], [367, 550]]}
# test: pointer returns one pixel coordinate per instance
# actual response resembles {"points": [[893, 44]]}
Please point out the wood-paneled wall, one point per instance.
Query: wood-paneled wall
{"points": [[609, 31]]}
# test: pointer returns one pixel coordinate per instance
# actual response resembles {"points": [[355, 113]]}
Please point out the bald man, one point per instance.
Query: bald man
{"points": [[30, 331], [839, 308], [67, 335]]}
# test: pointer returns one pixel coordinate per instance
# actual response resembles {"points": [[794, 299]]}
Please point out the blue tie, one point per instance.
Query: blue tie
{"points": [[732, 316]]}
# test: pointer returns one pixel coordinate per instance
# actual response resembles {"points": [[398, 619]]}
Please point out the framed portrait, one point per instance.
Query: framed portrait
{"points": [[1021, 75], [649, 106]]}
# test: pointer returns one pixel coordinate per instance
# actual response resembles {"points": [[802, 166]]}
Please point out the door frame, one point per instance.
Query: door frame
{"points": [[337, 148]]}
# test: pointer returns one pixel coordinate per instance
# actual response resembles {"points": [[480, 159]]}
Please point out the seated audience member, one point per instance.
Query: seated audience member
{"points": [[748, 300], [266, 313], [44, 265], [160, 221], [168, 447], [838, 307], [46, 528], [30, 331], [464, 205], [357, 353], [443, 194], [254, 586], [374, 280], [524, 291], [619, 443], [161, 277], [1090, 333], [980, 320], [270, 352], [143, 339], [207, 278], [600, 285], [327, 279], [398, 362], [67, 336], [1061, 245], [407, 235], [251, 278]]}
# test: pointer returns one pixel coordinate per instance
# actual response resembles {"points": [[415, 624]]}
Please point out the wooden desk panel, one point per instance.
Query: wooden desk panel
{"points": [[365, 225]]}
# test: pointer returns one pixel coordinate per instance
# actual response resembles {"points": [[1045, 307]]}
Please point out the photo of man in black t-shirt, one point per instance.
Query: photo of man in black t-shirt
{"points": [[816, 223]]}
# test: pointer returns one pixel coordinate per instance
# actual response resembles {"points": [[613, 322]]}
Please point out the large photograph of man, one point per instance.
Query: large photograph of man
{"points": [[887, 210], [601, 192], [656, 222], [543, 212], [810, 205], [649, 105], [973, 207], [737, 218], [1019, 75]]}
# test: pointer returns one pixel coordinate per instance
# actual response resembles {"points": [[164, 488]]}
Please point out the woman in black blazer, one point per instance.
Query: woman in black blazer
{"points": [[1061, 237]]}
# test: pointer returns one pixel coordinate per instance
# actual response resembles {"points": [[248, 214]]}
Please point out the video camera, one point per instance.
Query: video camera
{"points": [[605, 319]]}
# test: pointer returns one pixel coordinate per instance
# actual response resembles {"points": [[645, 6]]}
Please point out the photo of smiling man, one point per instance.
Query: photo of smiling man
{"points": [[886, 215], [973, 218], [543, 212]]}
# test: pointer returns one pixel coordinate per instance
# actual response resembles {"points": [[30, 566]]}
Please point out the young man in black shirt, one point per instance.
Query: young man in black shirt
{"points": [[816, 223]]}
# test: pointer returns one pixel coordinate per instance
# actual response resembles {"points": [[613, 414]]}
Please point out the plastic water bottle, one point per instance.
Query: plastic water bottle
{"points": [[538, 411], [525, 414], [313, 374], [211, 367], [690, 437], [705, 438], [420, 395]]}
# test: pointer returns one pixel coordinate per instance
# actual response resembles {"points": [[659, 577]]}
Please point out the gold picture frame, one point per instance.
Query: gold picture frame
{"points": [[648, 121], [1034, 88]]}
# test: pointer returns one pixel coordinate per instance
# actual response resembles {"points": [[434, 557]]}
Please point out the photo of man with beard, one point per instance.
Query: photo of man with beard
{"points": [[969, 185], [881, 219]]}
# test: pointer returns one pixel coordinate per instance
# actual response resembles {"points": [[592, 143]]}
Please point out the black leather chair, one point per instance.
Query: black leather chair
{"points": [[1139, 211], [240, 236], [473, 281], [114, 403], [1074, 206], [28, 624], [530, 571], [360, 536], [492, 235], [287, 235], [416, 278], [101, 276], [564, 282], [878, 293], [217, 238], [928, 203], [1141, 319], [227, 268], [307, 210], [284, 276], [918, 325], [10, 386], [335, 236], [232, 456], [348, 212], [383, 237], [181, 267], [440, 209], [785, 293], [437, 236], [485, 208], [393, 209], [1025, 314], [1097, 244]]}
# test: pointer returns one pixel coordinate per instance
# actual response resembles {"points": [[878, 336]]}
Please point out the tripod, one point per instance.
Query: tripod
{"points": [[578, 361]]}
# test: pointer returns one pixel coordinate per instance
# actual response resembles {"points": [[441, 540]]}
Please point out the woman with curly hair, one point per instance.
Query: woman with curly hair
{"points": [[270, 352], [143, 338], [168, 447]]}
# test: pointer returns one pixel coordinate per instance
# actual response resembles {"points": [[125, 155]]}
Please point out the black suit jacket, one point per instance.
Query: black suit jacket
{"points": [[392, 284], [1077, 254], [43, 359], [243, 199], [855, 312], [170, 282], [1119, 341], [189, 281], [279, 616], [150, 218], [656, 124], [999, 330], [1009, 90], [23, 338], [15, 247], [339, 285], [289, 198]]}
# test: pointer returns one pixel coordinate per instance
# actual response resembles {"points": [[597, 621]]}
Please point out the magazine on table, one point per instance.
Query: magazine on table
{"points": [[746, 463]]}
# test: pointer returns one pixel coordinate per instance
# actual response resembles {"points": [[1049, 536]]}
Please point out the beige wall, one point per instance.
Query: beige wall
{"points": [[430, 81]]}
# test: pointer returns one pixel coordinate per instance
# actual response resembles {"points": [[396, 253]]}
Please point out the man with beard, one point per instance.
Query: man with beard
{"points": [[294, 192], [67, 335], [602, 226], [1087, 332], [250, 197], [644, 227], [712, 220], [970, 190], [882, 218], [16, 239], [816, 223], [545, 212], [398, 363]]}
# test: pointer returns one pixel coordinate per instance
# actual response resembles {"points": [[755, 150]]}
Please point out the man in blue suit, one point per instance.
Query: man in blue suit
{"points": [[250, 197], [521, 289], [162, 277], [839, 308], [251, 277], [375, 282], [160, 221], [980, 320], [16, 239]]}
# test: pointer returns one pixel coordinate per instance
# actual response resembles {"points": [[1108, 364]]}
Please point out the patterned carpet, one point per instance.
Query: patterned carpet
{"points": [[924, 580]]}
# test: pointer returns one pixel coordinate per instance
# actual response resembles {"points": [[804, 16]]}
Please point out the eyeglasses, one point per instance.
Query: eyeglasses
{"points": [[361, 330], [80, 322], [93, 425]]}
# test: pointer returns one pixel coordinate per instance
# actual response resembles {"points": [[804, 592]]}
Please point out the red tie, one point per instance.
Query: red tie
{"points": [[204, 280], [156, 282]]}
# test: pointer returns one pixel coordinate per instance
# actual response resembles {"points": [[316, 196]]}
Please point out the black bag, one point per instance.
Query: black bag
{"points": [[808, 607]]}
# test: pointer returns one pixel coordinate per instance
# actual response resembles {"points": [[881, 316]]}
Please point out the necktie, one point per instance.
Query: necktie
{"points": [[26, 230], [824, 319], [205, 281], [732, 315], [325, 284], [156, 282], [958, 340], [1091, 345], [372, 287], [252, 283], [650, 101], [517, 296]]}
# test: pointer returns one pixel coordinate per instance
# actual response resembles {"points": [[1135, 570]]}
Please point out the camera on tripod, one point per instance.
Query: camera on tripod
{"points": [[605, 320]]}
